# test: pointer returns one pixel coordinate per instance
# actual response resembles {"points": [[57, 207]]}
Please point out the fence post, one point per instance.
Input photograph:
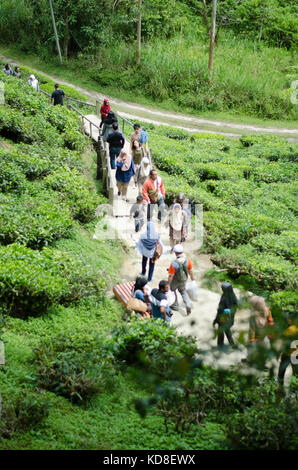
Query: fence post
{"points": [[123, 126], [97, 107], [91, 129], [99, 161]]}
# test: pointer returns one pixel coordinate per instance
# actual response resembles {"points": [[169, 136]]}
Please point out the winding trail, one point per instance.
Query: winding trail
{"points": [[189, 123]]}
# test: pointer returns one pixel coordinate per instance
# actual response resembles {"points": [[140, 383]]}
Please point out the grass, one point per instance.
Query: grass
{"points": [[273, 59]]}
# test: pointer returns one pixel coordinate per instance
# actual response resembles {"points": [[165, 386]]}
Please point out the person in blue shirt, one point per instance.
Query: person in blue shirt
{"points": [[143, 139], [159, 301], [124, 171]]}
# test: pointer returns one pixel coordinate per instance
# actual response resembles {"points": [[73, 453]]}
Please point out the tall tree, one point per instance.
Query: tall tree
{"points": [[212, 38], [139, 33]]}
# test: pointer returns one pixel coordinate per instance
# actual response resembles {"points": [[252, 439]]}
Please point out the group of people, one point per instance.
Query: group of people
{"points": [[57, 95], [179, 270], [8, 71]]}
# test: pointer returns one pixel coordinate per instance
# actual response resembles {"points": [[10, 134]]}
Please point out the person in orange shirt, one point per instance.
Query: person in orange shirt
{"points": [[178, 274], [154, 193]]}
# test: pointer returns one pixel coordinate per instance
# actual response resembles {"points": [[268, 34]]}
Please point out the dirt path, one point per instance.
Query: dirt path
{"points": [[138, 112]]}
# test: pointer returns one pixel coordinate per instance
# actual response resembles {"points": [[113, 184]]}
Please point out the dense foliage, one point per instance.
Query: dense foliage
{"points": [[254, 67], [248, 192], [43, 193]]}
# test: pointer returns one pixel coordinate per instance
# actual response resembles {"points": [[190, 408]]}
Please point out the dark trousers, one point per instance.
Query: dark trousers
{"points": [[221, 336], [285, 361], [151, 268], [139, 224], [114, 152], [161, 209]]}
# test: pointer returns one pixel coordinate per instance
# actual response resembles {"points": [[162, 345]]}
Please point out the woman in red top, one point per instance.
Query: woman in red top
{"points": [[104, 110]]}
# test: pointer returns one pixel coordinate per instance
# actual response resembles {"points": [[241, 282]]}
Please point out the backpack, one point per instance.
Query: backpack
{"points": [[181, 270]]}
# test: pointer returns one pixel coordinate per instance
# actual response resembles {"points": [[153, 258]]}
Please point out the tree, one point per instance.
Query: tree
{"points": [[212, 38], [139, 33]]}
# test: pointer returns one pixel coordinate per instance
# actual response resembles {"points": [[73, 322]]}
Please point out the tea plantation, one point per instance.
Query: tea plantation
{"points": [[248, 190], [78, 375]]}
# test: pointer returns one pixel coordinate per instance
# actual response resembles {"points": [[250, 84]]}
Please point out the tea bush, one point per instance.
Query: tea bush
{"points": [[265, 426], [31, 281], [11, 177], [23, 413], [73, 367], [271, 271], [33, 221], [151, 344]]}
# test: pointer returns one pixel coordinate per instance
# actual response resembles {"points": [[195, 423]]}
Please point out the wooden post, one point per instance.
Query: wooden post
{"points": [[99, 162], [97, 108], [90, 129], [2, 356], [212, 39]]}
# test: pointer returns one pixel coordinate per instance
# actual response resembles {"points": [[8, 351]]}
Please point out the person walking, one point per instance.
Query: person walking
{"points": [[178, 271], [142, 174], [148, 245], [124, 172], [33, 82], [57, 95], [108, 125], [159, 302], [7, 69], [289, 348], [177, 222], [260, 323], [116, 142], [137, 211], [104, 111], [225, 314], [260, 320], [154, 193], [144, 137], [135, 148]]}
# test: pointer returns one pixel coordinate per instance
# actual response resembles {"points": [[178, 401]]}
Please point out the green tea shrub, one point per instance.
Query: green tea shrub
{"points": [[23, 413], [19, 128], [271, 271], [11, 177], [33, 221], [285, 301], [75, 191], [151, 344], [32, 166], [265, 426], [31, 281], [73, 367], [285, 244]]}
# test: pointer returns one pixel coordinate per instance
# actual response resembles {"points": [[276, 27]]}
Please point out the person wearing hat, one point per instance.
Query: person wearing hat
{"points": [[33, 82], [179, 270], [142, 173]]}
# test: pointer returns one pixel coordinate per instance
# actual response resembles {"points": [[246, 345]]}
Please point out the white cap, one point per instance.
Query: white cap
{"points": [[178, 249], [145, 160]]}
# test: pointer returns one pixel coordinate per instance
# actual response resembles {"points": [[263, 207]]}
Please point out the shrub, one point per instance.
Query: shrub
{"points": [[271, 271], [75, 191], [150, 343], [35, 221], [265, 426], [23, 413], [72, 367], [11, 177], [31, 281]]}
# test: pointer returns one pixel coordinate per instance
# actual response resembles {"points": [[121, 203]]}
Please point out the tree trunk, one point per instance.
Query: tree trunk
{"points": [[139, 33], [212, 38]]}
